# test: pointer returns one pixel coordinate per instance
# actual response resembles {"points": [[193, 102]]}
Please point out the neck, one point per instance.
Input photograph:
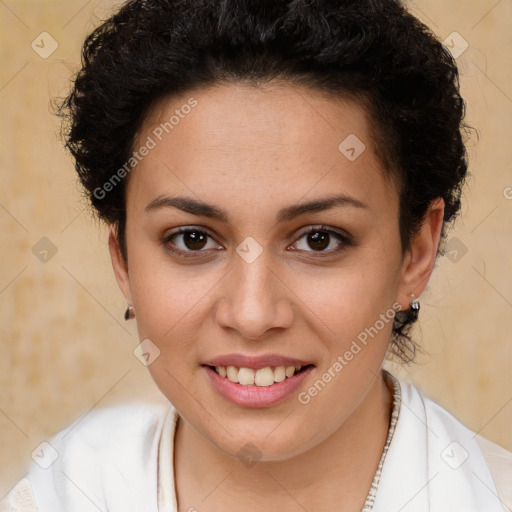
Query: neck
{"points": [[338, 470]]}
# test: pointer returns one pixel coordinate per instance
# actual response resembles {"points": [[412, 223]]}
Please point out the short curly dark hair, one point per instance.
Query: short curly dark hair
{"points": [[374, 51]]}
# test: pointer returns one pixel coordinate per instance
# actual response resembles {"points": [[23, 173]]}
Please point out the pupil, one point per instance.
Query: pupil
{"points": [[320, 239], [194, 240]]}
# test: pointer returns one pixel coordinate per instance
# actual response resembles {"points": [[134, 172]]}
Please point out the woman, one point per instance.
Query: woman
{"points": [[277, 178]]}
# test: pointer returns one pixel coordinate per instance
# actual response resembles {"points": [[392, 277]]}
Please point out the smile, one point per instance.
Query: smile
{"points": [[256, 381], [262, 377]]}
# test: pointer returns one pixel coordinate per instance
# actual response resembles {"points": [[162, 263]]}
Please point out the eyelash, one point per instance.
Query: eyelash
{"points": [[344, 239]]}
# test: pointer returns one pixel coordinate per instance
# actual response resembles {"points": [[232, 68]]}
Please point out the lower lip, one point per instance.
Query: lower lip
{"points": [[256, 396]]}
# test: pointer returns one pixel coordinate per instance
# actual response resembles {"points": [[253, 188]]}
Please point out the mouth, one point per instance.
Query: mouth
{"points": [[262, 377], [256, 381]]}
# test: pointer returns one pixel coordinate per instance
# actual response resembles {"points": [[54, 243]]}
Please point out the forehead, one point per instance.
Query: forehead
{"points": [[270, 140], [258, 114]]}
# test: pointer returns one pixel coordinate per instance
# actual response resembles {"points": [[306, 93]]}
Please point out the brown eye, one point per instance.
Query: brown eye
{"points": [[318, 240], [194, 240], [322, 240], [189, 242]]}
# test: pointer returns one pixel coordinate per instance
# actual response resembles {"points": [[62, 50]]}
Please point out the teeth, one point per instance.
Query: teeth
{"points": [[290, 370], [264, 377], [232, 373], [279, 374], [261, 377], [246, 376]]}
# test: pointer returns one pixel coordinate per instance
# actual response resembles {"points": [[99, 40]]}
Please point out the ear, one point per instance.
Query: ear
{"points": [[419, 261], [119, 265]]}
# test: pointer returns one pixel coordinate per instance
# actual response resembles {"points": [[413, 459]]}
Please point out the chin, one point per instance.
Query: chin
{"points": [[264, 442]]}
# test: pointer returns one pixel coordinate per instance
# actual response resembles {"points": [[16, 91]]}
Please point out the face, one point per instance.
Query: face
{"points": [[255, 241]]}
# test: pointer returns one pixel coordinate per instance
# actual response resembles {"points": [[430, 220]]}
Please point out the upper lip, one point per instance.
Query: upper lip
{"points": [[255, 362]]}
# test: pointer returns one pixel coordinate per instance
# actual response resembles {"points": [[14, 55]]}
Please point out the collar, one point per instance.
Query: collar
{"points": [[430, 462]]}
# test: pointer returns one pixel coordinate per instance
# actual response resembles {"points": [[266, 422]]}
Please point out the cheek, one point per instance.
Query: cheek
{"points": [[349, 299], [173, 307], [165, 294], [170, 313], [354, 323]]}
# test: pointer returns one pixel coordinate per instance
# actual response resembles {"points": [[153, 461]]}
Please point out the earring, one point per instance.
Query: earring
{"points": [[129, 313], [414, 309]]}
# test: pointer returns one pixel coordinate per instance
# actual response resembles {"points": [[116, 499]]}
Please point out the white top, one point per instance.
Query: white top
{"points": [[120, 459]]}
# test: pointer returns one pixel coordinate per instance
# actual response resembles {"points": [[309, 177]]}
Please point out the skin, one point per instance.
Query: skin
{"points": [[252, 151]]}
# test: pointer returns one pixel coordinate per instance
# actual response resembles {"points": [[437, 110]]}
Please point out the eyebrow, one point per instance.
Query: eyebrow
{"points": [[196, 207]]}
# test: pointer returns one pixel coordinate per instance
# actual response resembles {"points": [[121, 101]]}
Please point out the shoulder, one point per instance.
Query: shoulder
{"points": [[499, 462], [105, 459], [115, 423], [497, 459], [110, 434]]}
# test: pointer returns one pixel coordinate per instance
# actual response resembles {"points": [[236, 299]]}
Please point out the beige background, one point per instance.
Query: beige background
{"points": [[65, 345]]}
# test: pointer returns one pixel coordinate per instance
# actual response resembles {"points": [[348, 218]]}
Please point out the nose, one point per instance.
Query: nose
{"points": [[255, 298]]}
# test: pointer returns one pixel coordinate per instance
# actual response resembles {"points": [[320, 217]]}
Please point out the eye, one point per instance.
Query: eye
{"points": [[190, 241], [187, 241], [320, 239]]}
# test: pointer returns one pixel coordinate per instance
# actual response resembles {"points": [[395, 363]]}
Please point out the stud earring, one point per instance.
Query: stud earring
{"points": [[414, 308], [129, 313]]}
